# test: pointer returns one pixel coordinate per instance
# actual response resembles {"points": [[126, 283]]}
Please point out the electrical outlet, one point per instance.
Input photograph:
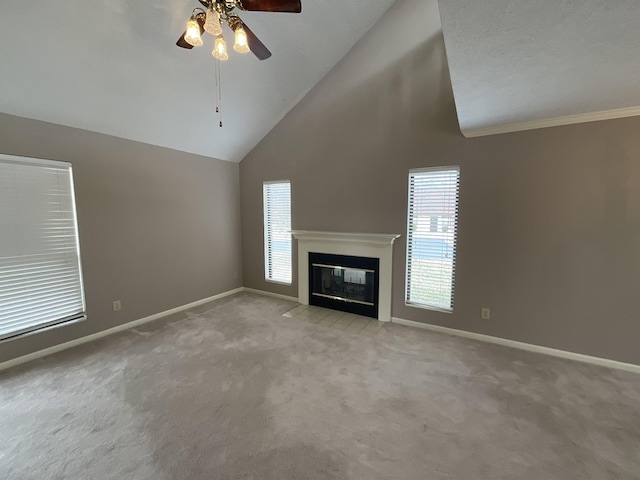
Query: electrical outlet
{"points": [[485, 313], [117, 305]]}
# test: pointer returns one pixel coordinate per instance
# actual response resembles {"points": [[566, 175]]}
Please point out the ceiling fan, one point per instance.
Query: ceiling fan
{"points": [[218, 12]]}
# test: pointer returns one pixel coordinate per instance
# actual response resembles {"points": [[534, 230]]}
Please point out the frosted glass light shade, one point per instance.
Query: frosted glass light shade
{"points": [[212, 23], [220, 49], [241, 45], [192, 35]]}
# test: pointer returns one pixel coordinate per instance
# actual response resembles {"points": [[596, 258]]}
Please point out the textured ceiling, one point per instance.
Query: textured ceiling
{"points": [[520, 64], [111, 66]]}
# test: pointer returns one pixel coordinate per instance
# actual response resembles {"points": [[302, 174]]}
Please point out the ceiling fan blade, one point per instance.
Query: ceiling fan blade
{"points": [[255, 45], [285, 6], [182, 43]]}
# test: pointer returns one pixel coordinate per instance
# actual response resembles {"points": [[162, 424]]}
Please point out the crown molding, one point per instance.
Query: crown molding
{"points": [[551, 122]]}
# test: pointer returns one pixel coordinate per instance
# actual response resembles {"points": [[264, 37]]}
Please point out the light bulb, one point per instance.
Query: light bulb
{"points": [[241, 45], [220, 49], [192, 35], [212, 23]]}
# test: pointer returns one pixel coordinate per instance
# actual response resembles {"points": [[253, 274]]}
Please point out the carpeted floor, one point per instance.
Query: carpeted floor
{"points": [[234, 390]]}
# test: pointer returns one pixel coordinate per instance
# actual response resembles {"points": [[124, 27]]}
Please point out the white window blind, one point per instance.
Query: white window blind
{"points": [[40, 279], [431, 237], [277, 231]]}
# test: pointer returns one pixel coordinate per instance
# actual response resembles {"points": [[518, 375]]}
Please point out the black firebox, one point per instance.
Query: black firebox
{"points": [[344, 282]]}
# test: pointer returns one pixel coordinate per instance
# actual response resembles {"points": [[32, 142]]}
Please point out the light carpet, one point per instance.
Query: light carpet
{"points": [[234, 390]]}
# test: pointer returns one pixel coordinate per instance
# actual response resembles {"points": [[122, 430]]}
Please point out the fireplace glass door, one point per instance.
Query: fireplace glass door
{"points": [[344, 283], [340, 283]]}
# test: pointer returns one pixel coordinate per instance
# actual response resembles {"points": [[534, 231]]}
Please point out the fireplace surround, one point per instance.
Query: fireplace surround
{"points": [[370, 245]]}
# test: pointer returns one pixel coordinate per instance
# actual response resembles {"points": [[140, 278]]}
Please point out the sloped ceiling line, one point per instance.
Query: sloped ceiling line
{"points": [[111, 66], [520, 65]]}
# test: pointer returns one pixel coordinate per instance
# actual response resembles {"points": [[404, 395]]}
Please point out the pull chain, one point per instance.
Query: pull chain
{"points": [[218, 93]]}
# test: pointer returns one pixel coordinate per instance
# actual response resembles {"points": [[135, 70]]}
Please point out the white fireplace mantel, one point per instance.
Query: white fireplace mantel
{"points": [[374, 245]]}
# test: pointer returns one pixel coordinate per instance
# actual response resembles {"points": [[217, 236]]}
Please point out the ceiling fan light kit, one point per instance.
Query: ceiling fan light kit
{"points": [[212, 22], [219, 12], [192, 34], [220, 49], [242, 44]]}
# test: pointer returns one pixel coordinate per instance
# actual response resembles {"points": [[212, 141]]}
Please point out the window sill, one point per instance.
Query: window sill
{"points": [[427, 307], [277, 282], [45, 328]]}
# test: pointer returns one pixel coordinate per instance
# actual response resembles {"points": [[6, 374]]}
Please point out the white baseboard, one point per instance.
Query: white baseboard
{"points": [[603, 362], [110, 331], [270, 294]]}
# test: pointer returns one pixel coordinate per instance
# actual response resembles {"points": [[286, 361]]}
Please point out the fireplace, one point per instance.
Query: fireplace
{"points": [[344, 282], [378, 246]]}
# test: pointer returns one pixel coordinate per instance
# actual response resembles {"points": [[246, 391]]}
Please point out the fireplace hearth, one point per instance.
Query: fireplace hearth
{"points": [[344, 282]]}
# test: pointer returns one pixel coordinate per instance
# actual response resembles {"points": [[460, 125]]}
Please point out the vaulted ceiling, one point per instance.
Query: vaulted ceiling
{"points": [[522, 64], [111, 66]]}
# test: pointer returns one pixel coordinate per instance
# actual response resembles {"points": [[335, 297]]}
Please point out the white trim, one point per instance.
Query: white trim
{"points": [[441, 168], [266, 220], [42, 162], [269, 294], [269, 182], [376, 239], [77, 232], [427, 307], [277, 282], [578, 357], [41, 317], [374, 245], [407, 287], [552, 122], [110, 331]]}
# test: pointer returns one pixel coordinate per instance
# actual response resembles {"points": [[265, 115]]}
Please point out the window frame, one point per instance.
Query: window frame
{"points": [[454, 224], [265, 216], [72, 318]]}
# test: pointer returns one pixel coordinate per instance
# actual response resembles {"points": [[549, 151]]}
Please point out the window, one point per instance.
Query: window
{"points": [[431, 237], [277, 231], [40, 278]]}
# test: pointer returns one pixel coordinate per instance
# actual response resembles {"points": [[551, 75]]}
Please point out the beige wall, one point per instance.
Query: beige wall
{"points": [[158, 228], [549, 228]]}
